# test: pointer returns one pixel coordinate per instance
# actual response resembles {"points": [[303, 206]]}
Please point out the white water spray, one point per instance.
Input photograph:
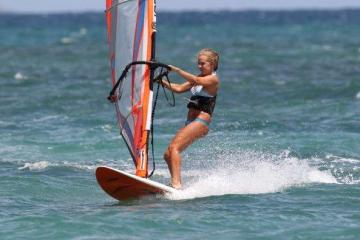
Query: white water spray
{"points": [[251, 173]]}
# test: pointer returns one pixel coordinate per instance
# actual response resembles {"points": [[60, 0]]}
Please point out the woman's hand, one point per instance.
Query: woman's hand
{"points": [[174, 69], [158, 80]]}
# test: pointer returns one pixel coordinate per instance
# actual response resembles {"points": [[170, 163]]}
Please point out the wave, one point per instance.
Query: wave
{"points": [[44, 165], [90, 167], [48, 118]]}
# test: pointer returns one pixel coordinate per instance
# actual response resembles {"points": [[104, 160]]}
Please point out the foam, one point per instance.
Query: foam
{"points": [[82, 31], [338, 159], [46, 118], [20, 76], [67, 40], [345, 169], [35, 166], [75, 36], [107, 128], [252, 173], [43, 165], [357, 95]]}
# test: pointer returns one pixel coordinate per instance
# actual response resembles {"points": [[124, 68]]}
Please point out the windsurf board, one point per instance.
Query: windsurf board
{"points": [[123, 186]]}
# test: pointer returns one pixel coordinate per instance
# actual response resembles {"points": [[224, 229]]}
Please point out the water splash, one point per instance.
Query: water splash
{"points": [[345, 169], [252, 173]]}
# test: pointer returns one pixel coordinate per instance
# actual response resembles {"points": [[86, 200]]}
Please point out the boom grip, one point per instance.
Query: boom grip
{"points": [[152, 65]]}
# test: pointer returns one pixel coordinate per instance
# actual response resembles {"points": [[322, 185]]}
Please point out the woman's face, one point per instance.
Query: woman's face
{"points": [[204, 65]]}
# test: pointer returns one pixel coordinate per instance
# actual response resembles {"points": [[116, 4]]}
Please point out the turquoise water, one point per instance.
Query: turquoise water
{"points": [[282, 159]]}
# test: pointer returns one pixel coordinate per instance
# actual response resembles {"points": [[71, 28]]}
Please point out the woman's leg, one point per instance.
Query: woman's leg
{"points": [[180, 142]]}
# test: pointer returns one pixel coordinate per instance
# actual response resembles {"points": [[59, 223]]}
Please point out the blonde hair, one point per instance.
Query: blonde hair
{"points": [[211, 55]]}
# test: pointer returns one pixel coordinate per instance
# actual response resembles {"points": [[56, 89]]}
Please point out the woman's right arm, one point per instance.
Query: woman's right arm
{"points": [[177, 88]]}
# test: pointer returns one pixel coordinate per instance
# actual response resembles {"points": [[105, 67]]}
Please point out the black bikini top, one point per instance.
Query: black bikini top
{"points": [[202, 103]]}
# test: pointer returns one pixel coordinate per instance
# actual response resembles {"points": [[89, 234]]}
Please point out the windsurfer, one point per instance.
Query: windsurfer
{"points": [[204, 88]]}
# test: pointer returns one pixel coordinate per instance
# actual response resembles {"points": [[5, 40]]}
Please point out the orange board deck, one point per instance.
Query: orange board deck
{"points": [[123, 186]]}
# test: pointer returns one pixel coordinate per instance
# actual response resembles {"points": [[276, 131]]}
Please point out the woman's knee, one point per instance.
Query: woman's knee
{"points": [[174, 149], [167, 155]]}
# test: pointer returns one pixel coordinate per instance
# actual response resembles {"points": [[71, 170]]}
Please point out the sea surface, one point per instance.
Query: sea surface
{"points": [[281, 161]]}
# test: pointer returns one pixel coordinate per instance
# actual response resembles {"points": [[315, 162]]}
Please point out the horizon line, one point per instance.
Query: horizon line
{"points": [[187, 10]]}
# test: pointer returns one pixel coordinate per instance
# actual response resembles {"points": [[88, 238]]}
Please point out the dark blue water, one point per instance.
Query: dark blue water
{"points": [[282, 159]]}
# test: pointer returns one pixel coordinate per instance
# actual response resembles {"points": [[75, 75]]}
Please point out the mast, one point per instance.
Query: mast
{"points": [[150, 26]]}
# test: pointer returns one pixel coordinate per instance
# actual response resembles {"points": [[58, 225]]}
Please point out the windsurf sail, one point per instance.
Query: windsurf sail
{"points": [[131, 27]]}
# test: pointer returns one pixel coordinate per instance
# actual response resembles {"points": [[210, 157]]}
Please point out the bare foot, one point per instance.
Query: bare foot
{"points": [[176, 186]]}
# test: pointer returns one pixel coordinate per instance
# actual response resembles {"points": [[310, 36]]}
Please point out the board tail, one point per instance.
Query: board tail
{"points": [[123, 186]]}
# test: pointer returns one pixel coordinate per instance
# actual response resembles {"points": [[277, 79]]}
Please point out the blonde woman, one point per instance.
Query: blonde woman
{"points": [[204, 88]]}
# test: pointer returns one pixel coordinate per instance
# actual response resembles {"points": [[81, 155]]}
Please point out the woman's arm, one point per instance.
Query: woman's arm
{"points": [[195, 80], [177, 88]]}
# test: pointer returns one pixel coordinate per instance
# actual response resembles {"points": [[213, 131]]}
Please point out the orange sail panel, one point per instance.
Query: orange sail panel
{"points": [[130, 25]]}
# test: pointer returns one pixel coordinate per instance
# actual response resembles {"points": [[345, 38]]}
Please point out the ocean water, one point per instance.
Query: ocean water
{"points": [[282, 159]]}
